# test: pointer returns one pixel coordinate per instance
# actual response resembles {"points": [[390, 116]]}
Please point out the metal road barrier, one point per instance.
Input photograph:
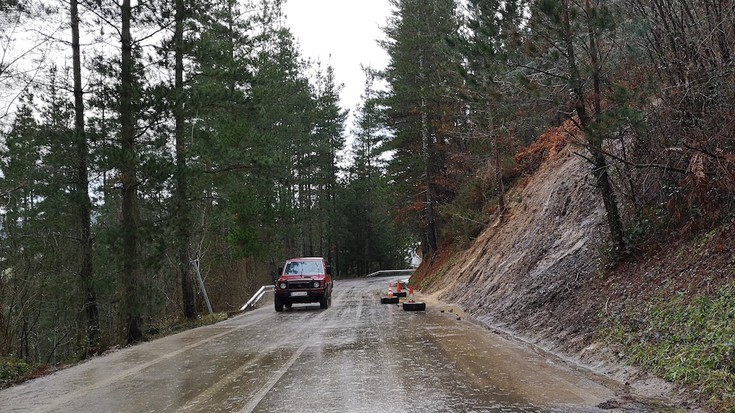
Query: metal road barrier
{"points": [[389, 272], [257, 296]]}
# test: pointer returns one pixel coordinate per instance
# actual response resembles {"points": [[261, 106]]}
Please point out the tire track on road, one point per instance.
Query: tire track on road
{"points": [[268, 386]]}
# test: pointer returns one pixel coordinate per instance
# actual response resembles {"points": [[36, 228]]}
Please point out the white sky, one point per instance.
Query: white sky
{"points": [[343, 34]]}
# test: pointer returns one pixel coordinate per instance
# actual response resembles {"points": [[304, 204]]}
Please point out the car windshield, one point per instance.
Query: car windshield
{"points": [[303, 267]]}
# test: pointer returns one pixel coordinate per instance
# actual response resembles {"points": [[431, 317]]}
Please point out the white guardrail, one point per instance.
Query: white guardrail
{"points": [[257, 296], [389, 272]]}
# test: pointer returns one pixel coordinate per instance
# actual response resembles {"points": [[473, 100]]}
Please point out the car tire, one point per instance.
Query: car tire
{"points": [[324, 302], [279, 304]]}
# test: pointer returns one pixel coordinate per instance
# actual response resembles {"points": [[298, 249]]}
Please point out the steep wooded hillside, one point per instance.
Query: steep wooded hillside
{"points": [[542, 272], [530, 261]]}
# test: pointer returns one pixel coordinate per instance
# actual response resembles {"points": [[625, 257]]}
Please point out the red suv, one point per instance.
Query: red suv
{"points": [[304, 280]]}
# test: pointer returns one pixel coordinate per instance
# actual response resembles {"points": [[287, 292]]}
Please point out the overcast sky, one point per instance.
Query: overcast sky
{"points": [[341, 33]]}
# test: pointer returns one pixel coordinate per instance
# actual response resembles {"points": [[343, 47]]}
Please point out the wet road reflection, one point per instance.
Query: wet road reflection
{"points": [[357, 356]]}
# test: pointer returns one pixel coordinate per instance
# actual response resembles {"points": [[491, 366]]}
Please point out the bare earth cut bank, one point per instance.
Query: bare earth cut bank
{"points": [[540, 273]]}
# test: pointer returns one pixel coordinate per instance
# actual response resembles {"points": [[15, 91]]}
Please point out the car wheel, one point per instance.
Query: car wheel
{"points": [[324, 302], [279, 304]]}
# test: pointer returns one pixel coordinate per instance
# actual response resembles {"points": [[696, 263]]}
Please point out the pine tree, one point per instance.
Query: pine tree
{"points": [[40, 229], [489, 45], [328, 135], [282, 123], [181, 190], [83, 202], [369, 237], [129, 179], [422, 107], [568, 36], [19, 163]]}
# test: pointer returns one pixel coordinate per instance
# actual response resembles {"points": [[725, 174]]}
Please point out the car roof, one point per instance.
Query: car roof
{"points": [[306, 259]]}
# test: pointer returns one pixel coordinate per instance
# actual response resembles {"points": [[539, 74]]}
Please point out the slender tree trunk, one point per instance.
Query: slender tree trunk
{"points": [[431, 236], [84, 204], [598, 158], [498, 170], [367, 230], [331, 237], [182, 220], [574, 76], [128, 178], [601, 169]]}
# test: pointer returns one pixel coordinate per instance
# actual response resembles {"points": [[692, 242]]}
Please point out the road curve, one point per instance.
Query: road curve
{"points": [[357, 356]]}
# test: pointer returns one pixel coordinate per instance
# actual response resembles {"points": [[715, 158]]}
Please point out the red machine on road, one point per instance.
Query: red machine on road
{"points": [[304, 280]]}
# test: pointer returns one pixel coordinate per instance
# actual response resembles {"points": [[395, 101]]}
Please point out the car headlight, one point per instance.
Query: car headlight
{"points": [[282, 286], [317, 284]]}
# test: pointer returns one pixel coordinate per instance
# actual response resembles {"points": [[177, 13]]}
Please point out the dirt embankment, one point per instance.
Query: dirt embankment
{"points": [[538, 271], [523, 270]]}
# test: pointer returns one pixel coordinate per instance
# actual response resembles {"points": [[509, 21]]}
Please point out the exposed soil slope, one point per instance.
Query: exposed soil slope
{"points": [[539, 271], [527, 265]]}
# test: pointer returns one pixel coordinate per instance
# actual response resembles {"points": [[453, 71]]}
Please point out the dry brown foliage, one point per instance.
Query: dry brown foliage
{"points": [[546, 146]]}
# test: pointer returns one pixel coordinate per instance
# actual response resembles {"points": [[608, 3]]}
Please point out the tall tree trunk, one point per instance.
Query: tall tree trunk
{"points": [[431, 237], [595, 140], [498, 170], [128, 178], [182, 191], [84, 205], [601, 169]]}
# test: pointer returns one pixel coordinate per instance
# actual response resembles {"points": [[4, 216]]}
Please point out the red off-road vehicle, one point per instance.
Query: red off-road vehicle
{"points": [[304, 280]]}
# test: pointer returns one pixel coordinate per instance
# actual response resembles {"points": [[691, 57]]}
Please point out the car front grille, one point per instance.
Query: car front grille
{"points": [[299, 285]]}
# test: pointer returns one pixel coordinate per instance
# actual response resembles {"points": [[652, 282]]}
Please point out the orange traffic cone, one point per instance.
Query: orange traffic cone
{"points": [[412, 305], [400, 292], [391, 298]]}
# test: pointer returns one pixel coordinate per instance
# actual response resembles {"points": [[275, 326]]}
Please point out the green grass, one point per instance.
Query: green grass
{"points": [[686, 340]]}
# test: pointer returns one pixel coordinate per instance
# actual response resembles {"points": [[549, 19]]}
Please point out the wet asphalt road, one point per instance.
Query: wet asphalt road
{"points": [[357, 356]]}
